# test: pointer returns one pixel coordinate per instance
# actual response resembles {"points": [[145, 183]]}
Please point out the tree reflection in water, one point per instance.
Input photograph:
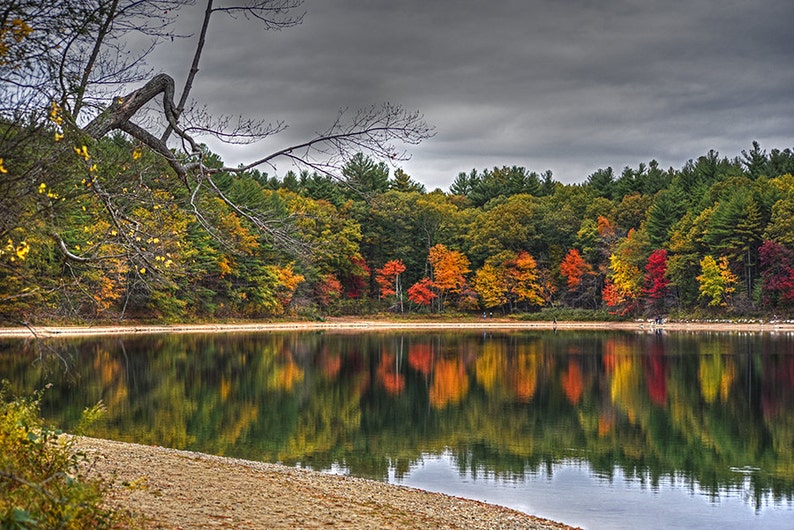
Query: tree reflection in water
{"points": [[716, 410]]}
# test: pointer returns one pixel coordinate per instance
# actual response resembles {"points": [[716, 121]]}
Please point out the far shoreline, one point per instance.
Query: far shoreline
{"points": [[374, 324]]}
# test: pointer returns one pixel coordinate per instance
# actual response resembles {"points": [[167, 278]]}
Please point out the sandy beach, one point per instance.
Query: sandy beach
{"points": [[172, 489], [348, 324]]}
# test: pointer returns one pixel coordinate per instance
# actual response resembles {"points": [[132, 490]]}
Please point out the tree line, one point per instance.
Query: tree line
{"points": [[711, 238]]}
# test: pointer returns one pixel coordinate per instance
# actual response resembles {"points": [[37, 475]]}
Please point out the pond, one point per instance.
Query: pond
{"points": [[598, 429]]}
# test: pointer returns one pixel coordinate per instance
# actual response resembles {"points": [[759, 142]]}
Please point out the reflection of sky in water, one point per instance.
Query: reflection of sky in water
{"points": [[573, 494]]}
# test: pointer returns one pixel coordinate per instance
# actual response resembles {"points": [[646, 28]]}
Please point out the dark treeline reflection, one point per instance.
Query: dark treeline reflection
{"points": [[714, 410]]}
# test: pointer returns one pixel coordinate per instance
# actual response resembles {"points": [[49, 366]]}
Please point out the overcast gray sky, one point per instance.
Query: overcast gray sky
{"points": [[566, 85]]}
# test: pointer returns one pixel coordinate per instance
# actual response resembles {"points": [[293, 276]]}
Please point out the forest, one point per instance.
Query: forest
{"points": [[713, 238], [112, 208]]}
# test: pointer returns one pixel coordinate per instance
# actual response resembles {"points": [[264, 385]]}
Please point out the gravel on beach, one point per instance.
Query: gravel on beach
{"points": [[174, 489]]}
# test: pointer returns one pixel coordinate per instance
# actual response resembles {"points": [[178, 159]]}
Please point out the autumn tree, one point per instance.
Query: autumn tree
{"points": [[449, 269], [623, 288], [491, 286], [781, 223], [523, 280], [717, 282], [421, 293], [388, 279], [656, 281], [777, 274], [580, 278]]}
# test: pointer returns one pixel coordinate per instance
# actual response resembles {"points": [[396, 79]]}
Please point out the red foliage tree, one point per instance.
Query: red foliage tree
{"points": [[357, 280], [388, 280], [655, 275], [388, 277], [422, 293], [777, 274], [328, 289]]}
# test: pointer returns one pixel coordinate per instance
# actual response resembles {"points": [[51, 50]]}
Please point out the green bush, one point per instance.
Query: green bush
{"points": [[41, 482]]}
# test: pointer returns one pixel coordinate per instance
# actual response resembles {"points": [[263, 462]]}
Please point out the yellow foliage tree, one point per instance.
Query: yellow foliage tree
{"points": [[491, 286], [288, 281], [717, 282]]}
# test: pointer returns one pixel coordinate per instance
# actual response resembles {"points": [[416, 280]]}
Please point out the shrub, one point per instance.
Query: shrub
{"points": [[41, 482]]}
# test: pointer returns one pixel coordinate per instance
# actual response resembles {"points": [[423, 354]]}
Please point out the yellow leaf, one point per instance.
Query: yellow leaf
{"points": [[42, 187], [22, 250], [82, 151], [2, 169]]}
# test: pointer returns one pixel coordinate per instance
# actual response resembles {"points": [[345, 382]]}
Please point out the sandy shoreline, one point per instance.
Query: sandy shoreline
{"points": [[387, 325], [173, 489]]}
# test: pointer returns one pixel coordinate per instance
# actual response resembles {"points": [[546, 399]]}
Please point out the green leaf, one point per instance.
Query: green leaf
{"points": [[22, 517]]}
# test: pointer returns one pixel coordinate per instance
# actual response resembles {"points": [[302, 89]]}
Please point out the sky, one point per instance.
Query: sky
{"points": [[568, 86]]}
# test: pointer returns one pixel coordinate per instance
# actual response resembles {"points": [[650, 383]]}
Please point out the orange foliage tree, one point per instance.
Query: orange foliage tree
{"points": [[580, 277], [449, 271], [573, 267], [328, 289]]}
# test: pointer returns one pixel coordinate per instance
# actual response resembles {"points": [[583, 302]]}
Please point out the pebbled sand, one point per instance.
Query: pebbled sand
{"points": [[183, 490]]}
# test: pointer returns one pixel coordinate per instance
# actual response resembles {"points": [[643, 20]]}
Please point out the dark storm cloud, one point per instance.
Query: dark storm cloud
{"points": [[567, 86]]}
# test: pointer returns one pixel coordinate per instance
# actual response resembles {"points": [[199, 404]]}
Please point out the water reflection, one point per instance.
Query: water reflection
{"points": [[713, 411]]}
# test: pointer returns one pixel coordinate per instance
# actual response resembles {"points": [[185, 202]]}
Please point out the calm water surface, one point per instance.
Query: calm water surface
{"points": [[602, 430]]}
